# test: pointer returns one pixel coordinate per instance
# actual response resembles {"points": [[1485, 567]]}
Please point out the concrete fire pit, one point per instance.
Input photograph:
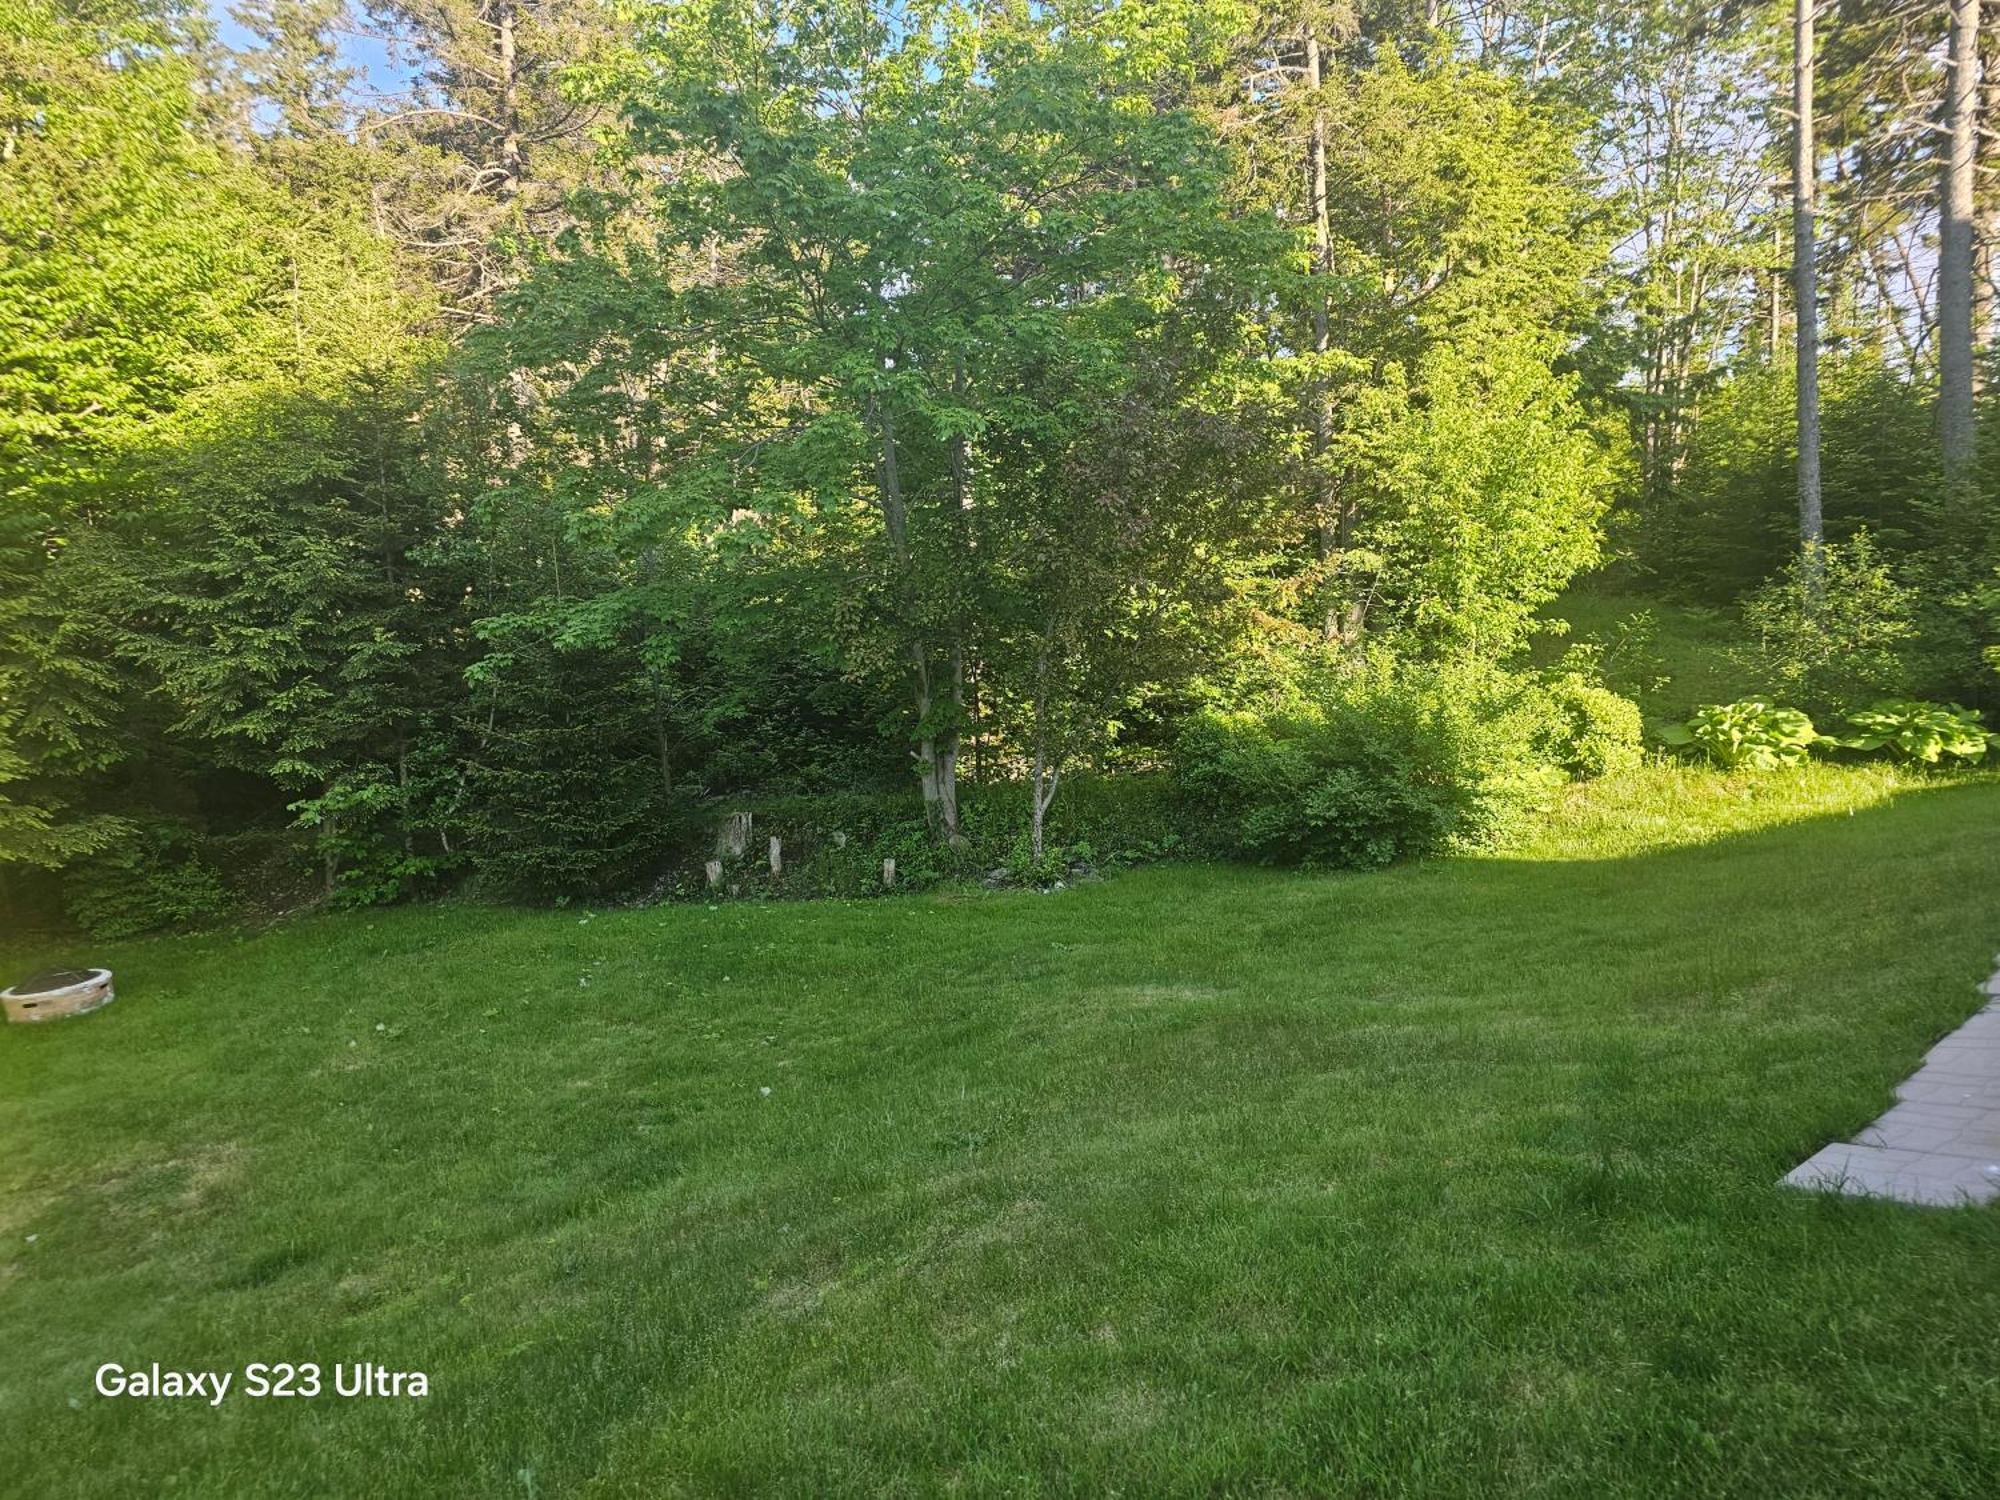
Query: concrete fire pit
{"points": [[51, 997]]}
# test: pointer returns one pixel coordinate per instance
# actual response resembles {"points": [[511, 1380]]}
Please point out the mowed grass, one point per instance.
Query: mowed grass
{"points": [[1455, 1180]]}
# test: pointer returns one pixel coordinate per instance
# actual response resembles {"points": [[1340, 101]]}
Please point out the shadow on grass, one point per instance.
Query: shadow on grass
{"points": [[1457, 1178]]}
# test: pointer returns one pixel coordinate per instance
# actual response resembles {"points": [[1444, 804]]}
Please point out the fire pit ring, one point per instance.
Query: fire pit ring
{"points": [[54, 996]]}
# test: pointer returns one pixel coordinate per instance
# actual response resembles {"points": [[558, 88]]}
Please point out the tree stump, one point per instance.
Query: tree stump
{"points": [[735, 835], [54, 996]]}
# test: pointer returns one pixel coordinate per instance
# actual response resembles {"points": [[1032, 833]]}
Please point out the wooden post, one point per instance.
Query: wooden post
{"points": [[714, 873], [777, 857], [888, 872]]}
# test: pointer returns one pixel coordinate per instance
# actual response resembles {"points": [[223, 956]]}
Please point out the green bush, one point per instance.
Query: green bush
{"points": [[369, 830], [1917, 731], [1376, 765], [1844, 639], [1591, 731], [1748, 736], [155, 878], [565, 796], [834, 844]]}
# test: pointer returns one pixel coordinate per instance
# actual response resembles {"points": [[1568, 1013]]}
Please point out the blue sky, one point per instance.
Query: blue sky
{"points": [[376, 72]]}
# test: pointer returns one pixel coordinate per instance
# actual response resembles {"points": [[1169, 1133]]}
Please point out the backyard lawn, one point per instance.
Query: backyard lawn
{"points": [[1452, 1180]]}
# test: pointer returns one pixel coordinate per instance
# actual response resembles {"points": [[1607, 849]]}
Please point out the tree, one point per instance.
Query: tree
{"points": [[1457, 233], [485, 155], [128, 281], [1956, 254], [915, 226], [293, 78], [1805, 283]]}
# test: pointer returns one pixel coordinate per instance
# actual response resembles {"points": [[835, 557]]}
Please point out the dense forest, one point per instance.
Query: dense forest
{"points": [[471, 445]]}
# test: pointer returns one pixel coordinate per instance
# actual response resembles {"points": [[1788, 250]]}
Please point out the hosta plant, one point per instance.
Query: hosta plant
{"points": [[1916, 731], [1750, 736]]}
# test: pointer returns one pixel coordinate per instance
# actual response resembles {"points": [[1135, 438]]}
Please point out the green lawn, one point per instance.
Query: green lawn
{"points": [[1454, 1180]]}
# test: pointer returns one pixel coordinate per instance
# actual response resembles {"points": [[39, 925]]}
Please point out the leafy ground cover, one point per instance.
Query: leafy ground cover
{"points": [[1451, 1180]]}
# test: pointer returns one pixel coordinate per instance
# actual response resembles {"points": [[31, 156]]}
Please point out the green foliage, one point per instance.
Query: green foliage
{"points": [[834, 844], [165, 297], [1592, 731], [1921, 732], [1484, 483], [1832, 632], [1377, 764], [565, 793], [1454, 477], [379, 829], [1732, 518], [960, 386], [1751, 735], [156, 877]]}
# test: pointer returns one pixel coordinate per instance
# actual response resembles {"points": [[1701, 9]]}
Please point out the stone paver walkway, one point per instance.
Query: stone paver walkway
{"points": [[1940, 1144]]}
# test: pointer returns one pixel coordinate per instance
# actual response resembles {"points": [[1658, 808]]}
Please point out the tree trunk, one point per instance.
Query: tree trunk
{"points": [[1805, 290], [510, 107], [937, 751], [329, 860], [1956, 437], [1775, 333], [938, 754], [1327, 499], [1986, 191], [1044, 775]]}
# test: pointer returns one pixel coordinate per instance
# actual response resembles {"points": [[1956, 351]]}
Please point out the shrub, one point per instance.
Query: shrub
{"points": [[1846, 642], [155, 878], [1378, 765], [1751, 735], [1591, 731], [1916, 731], [366, 826], [565, 796], [834, 843]]}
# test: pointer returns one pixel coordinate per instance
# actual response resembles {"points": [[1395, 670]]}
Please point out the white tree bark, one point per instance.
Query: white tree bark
{"points": [[1956, 434], [1805, 286]]}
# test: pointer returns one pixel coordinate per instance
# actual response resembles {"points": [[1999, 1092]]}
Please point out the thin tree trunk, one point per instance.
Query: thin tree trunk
{"points": [[944, 753], [1986, 192], [1805, 291], [1956, 436], [937, 753], [329, 860], [510, 107], [1327, 501], [1044, 775]]}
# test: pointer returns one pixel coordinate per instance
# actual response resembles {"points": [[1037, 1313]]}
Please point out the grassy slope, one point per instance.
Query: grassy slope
{"points": [[1455, 1180], [1685, 662]]}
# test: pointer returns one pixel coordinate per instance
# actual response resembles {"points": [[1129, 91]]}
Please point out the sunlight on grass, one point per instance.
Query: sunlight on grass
{"points": [[1199, 1180], [1671, 804]]}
